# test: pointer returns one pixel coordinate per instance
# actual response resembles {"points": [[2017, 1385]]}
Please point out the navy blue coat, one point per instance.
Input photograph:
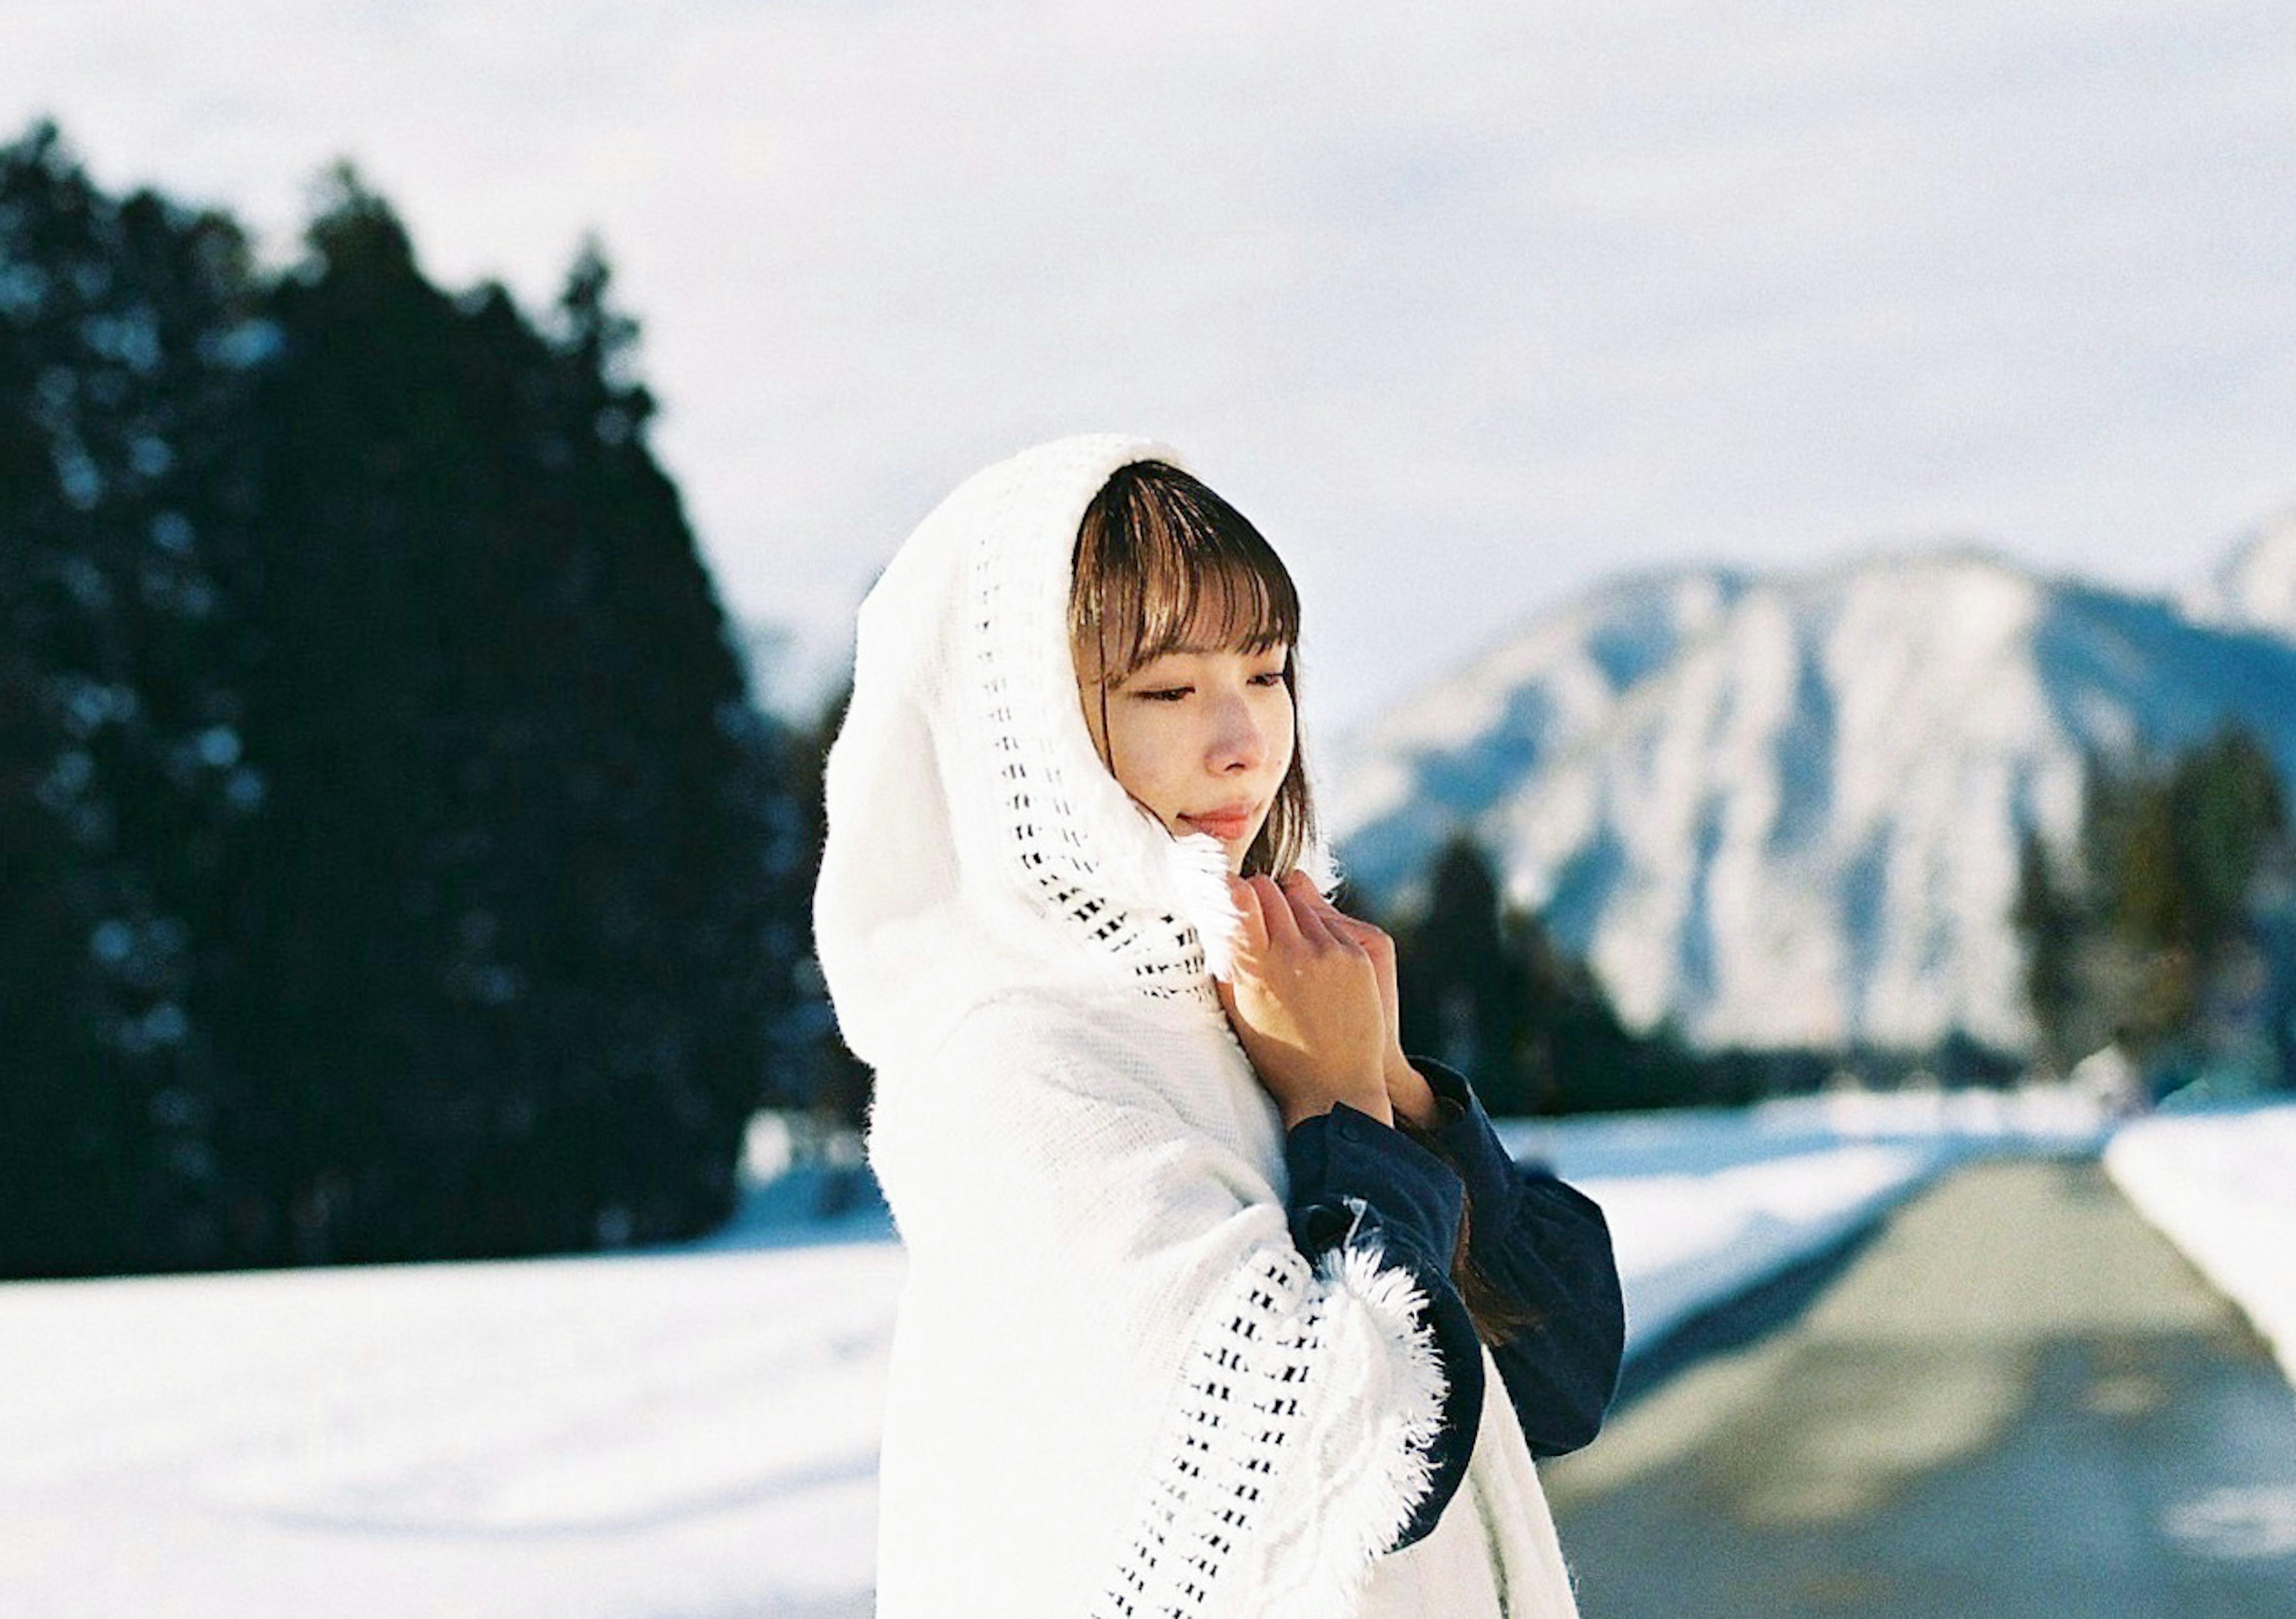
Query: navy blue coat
{"points": [[1542, 1243]]}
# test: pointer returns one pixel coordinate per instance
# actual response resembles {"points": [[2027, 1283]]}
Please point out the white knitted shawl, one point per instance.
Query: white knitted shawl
{"points": [[1117, 1389]]}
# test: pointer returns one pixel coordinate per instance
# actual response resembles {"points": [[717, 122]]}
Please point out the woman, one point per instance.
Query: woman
{"points": [[1186, 1326]]}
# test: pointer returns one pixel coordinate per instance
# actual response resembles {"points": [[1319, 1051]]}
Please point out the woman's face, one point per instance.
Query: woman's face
{"points": [[1203, 737]]}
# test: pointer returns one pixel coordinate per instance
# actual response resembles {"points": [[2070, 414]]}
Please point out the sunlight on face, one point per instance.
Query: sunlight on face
{"points": [[1203, 737]]}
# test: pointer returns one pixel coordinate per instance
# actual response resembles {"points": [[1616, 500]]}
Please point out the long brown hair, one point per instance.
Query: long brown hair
{"points": [[1160, 559]]}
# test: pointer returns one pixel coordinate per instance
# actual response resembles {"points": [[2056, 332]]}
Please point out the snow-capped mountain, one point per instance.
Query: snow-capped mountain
{"points": [[2255, 588], [1787, 810], [1482, 734]]}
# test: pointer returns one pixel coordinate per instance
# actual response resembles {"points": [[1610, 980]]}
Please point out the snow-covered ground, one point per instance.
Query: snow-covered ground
{"points": [[673, 1433], [685, 1433], [2221, 1184]]}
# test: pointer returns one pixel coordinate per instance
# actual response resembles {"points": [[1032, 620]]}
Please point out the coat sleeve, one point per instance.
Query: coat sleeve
{"points": [[1356, 1181], [1547, 1245], [1295, 1363]]}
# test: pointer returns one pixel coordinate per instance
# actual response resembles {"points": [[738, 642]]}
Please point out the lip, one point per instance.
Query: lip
{"points": [[1227, 823]]}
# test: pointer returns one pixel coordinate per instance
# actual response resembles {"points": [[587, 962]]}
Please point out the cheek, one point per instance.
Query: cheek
{"points": [[1150, 746], [1284, 730]]}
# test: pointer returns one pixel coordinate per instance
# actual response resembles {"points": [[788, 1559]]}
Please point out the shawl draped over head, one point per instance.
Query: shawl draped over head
{"points": [[1117, 1386], [976, 842]]}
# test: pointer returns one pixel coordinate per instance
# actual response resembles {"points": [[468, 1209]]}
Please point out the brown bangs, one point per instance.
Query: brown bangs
{"points": [[1164, 565]]}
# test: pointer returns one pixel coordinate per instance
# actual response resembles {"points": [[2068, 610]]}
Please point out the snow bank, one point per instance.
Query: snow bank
{"points": [[1706, 1204], [1687, 1242], [2221, 1185]]}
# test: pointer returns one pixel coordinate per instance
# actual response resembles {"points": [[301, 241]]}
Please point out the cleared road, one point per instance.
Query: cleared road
{"points": [[2017, 1400]]}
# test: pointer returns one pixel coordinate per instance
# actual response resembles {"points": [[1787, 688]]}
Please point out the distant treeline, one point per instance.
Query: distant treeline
{"points": [[2167, 930], [393, 862], [2168, 927], [1487, 988]]}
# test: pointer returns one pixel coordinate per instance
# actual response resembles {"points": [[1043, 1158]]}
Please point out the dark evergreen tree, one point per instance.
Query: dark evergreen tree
{"points": [[2228, 806], [1487, 988], [2048, 919], [516, 918], [393, 862], [835, 1084], [1464, 990], [124, 333], [1583, 1058], [2125, 939]]}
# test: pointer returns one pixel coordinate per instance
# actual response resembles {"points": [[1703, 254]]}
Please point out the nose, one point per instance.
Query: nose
{"points": [[1239, 738]]}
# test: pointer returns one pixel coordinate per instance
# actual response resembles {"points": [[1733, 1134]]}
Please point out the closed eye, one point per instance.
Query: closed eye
{"points": [[1173, 694]]}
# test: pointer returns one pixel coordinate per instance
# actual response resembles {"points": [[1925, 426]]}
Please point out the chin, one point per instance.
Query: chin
{"points": [[1237, 847]]}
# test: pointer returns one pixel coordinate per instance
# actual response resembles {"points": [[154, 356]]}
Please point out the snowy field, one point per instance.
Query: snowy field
{"points": [[691, 1433]]}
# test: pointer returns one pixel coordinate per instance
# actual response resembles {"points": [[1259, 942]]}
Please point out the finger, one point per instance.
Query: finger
{"points": [[1313, 928], [1281, 924], [1296, 884], [1374, 938], [1308, 897], [1304, 892], [1252, 933], [1369, 937]]}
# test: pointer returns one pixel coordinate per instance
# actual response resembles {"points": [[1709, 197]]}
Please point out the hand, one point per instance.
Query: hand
{"points": [[1407, 1090], [1306, 1003]]}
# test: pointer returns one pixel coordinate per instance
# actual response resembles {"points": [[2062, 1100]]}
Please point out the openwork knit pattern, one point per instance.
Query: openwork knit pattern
{"points": [[1014, 618], [1265, 1356]]}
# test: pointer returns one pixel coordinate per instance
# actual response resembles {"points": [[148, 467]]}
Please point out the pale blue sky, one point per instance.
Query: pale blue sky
{"points": [[1467, 307]]}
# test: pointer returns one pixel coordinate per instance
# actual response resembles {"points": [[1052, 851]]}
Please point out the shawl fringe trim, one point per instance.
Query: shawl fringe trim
{"points": [[1301, 1443]]}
